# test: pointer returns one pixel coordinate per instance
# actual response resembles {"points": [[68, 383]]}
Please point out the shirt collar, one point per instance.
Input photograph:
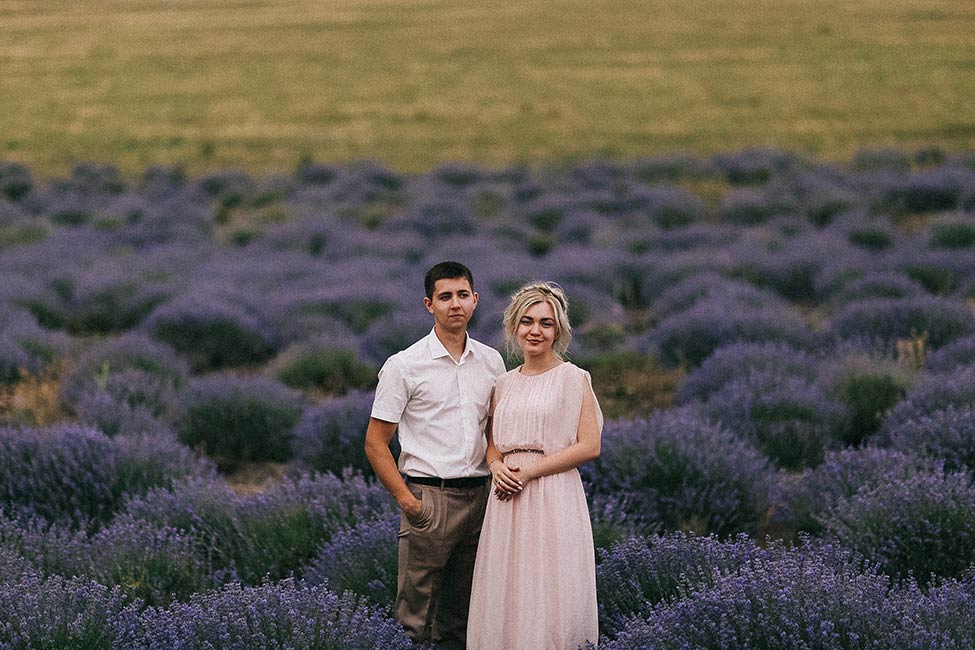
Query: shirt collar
{"points": [[438, 350]]}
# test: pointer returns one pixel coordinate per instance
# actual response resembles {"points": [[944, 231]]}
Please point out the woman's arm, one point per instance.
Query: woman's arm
{"points": [[502, 476]]}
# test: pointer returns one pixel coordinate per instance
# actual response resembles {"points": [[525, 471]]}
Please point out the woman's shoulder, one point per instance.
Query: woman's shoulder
{"points": [[506, 377], [575, 370]]}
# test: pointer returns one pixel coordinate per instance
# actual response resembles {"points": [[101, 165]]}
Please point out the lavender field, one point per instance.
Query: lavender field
{"points": [[784, 348]]}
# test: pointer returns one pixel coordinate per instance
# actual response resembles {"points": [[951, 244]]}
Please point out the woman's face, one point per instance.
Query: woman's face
{"points": [[537, 330]]}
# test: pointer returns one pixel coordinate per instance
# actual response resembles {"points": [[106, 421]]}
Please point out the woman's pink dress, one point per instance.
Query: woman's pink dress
{"points": [[535, 574]]}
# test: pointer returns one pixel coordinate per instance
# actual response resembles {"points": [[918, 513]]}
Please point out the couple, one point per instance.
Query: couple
{"points": [[525, 580]]}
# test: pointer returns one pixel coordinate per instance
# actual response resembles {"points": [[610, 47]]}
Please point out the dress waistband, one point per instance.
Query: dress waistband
{"points": [[523, 451]]}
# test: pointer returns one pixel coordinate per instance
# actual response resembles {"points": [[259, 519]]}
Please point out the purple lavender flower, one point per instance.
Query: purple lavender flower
{"points": [[890, 319], [24, 345], [692, 335], [361, 559], [330, 436], [803, 501], [732, 361], [941, 272], [750, 207], [948, 435], [683, 472], [61, 613], [787, 418], [698, 288], [934, 393], [957, 354], [880, 284], [237, 419], [921, 525], [150, 565], [76, 474], [280, 615], [125, 362], [641, 572], [931, 190], [815, 597], [272, 533], [212, 333], [952, 233]]}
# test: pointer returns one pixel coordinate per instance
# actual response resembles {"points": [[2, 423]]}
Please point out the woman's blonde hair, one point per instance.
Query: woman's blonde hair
{"points": [[529, 295]]}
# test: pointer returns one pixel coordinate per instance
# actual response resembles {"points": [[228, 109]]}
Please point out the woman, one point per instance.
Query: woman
{"points": [[535, 577]]}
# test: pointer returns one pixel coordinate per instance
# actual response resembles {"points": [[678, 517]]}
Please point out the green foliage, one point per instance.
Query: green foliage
{"points": [[239, 420], [871, 239], [953, 235], [869, 388], [331, 370]]}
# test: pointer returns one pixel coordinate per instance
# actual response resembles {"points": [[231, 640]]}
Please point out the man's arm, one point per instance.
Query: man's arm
{"points": [[378, 436]]}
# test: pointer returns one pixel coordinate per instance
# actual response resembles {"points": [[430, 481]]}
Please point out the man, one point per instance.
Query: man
{"points": [[438, 393]]}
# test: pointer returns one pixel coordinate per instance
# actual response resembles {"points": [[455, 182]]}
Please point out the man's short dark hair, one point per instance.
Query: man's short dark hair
{"points": [[446, 271]]}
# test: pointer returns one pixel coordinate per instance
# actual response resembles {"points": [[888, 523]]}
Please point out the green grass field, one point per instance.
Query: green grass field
{"points": [[260, 84]]}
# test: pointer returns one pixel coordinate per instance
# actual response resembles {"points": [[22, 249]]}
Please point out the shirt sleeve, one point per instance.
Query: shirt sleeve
{"points": [[392, 393]]}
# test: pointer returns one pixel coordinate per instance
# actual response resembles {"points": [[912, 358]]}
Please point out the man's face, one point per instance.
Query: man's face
{"points": [[452, 304]]}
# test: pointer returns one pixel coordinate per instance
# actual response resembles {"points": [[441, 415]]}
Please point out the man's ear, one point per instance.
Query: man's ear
{"points": [[476, 299], [428, 304]]}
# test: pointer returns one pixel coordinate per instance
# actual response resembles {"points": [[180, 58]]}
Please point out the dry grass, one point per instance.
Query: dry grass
{"points": [[259, 83], [34, 401]]}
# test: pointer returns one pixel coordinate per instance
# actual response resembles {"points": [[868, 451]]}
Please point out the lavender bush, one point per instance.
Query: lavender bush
{"points": [[957, 354], [76, 474], [285, 615], [692, 335], [948, 435], [879, 284], [788, 418], [235, 419], [933, 393], [15, 181], [361, 559], [803, 501], [149, 565], [61, 613], [683, 472], [638, 573], [331, 435], [132, 353], [921, 526], [710, 286], [211, 333], [331, 370], [818, 597], [24, 345], [729, 362], [868, 386], [272, 533], [939, 319]]}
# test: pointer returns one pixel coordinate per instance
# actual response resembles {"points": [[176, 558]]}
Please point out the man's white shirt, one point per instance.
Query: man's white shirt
{"points": [[441, 406]]}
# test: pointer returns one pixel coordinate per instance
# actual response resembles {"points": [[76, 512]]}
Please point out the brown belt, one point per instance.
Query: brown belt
{"points": [[463, 482], [523, 451]]}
